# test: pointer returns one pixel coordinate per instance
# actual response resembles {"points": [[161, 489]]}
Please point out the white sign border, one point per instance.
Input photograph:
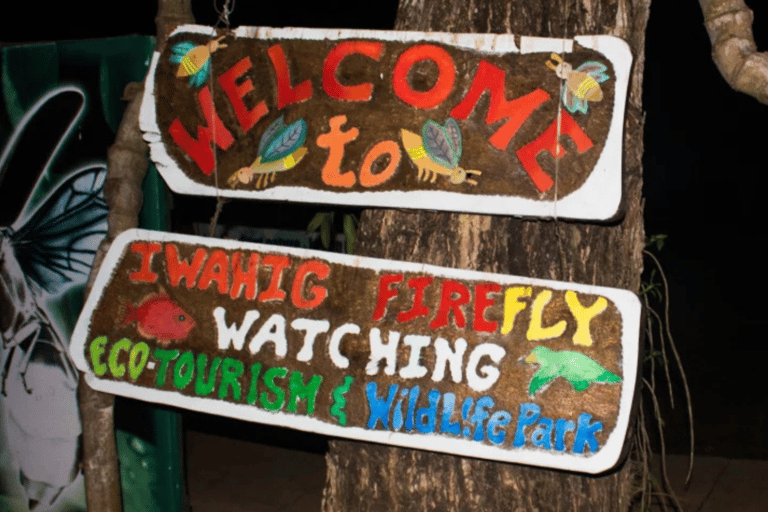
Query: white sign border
{"points": [[607, 456], [598, 198]]}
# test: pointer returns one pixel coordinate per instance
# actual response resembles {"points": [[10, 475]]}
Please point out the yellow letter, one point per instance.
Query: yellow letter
{"points": [[536, 331], [583, 316], [512, 306]]}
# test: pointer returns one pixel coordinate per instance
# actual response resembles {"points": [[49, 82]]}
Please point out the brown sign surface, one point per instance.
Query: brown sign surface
{"points": [[475, 364], [451, 122]]}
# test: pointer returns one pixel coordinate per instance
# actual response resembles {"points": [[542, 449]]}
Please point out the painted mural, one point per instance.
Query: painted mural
{"points": [[480, 365], [55, 133]]}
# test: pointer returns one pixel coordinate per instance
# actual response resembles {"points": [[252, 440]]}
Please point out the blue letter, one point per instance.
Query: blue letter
{"points": [[478, 417], [529, 413], [499, 419], [585, 434], [379, 408], [562, 427], [428, 413], [449, 399]]}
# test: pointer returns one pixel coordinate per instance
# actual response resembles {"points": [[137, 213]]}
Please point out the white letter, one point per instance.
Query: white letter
{"points": [[414, 369], [273, 330], [231, 334], [312, 328], [490, 373], [444, 354], [380, 350], [333, 348]]}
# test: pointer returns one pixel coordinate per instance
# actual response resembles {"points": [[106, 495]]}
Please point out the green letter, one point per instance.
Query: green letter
{"points": [[231, 370], [96, 349], [253, 392], [165, 357], [134, 368], [184, 370], [118, 370], [269, 381], [300, 391]]}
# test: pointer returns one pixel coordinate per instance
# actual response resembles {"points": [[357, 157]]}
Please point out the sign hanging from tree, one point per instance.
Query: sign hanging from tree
{"points": [[475, 364], [495, 124]]}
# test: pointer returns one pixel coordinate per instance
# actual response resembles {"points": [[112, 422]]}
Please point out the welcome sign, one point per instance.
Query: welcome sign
{"points": [[496, 124], [474, 364]]}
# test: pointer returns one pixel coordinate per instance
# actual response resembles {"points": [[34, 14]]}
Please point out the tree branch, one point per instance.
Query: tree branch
{"points": [[729, 23]]}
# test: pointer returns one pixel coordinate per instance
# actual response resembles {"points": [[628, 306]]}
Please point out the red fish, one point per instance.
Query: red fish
{"points": [[158, 316]]}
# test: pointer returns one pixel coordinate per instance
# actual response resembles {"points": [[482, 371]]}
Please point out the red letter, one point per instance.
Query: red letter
{"points": [[286, 95], [317, 293], [547, 141], [236, 93], [200, 149], [418, 309], [147, 250], [335, 140], [385, 294], [216, 269], [279, 263], [493, 79], [449, 302], [242, 277], [479, 323], [367, 178], [446, 76], [333, 88], [179, 267]]}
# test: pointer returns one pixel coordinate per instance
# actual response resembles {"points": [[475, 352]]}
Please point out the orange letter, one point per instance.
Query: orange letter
{"points": [[332, 86], [216, 269], [286, 95], [318, 293], [335, 141], [367, 178], [547, 141], [493, 79], [147, 251], [179, 267], [242, 277], [446, 76], [236, 93], [279, 263]]}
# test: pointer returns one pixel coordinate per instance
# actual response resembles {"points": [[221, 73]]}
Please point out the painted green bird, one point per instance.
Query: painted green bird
{"points": [[576, 368]]}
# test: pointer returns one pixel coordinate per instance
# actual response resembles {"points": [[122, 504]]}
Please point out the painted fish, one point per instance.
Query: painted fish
{"points": [[158, 316]]}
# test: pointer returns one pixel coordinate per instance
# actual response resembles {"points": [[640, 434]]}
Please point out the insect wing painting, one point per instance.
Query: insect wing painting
{"points": [[457, 122], [47, 251]]}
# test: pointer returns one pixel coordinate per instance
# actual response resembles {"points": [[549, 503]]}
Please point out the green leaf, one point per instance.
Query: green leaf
{"points": [[325, 231], [350, 232], [316, 221]]}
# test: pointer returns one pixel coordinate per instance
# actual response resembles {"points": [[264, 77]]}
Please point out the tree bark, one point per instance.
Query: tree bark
{"points": [[729, 23], [368, 477], [127, 166]]}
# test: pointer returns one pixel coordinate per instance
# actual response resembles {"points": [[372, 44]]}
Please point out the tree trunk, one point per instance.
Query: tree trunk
{"points": [[368, 477]]}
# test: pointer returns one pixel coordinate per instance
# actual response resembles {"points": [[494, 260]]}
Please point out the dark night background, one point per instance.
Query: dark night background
{"points": [[704, 173]]}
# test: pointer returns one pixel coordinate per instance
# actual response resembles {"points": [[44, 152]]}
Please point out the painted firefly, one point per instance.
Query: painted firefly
{"points": [[279, 150], [581, 85], [195, 61], [438, 151]]}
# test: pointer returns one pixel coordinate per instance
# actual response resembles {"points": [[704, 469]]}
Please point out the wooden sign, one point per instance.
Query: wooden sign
{"points": [[469, 363], [460, 122]]}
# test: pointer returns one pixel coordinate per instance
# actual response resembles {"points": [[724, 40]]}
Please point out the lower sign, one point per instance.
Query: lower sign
{"points": [[475, 364]]}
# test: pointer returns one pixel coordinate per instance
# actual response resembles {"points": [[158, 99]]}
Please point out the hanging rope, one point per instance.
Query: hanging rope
{"points": [[224, 12]]}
